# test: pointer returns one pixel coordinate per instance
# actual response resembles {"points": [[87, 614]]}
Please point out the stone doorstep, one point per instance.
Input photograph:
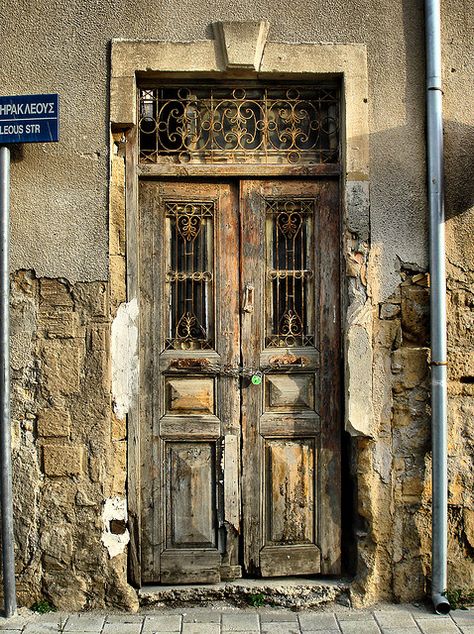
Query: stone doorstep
{"points": [[290, 592]]}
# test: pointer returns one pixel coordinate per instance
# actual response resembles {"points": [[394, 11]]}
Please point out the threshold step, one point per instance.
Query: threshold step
{"points": [[288, 592]]}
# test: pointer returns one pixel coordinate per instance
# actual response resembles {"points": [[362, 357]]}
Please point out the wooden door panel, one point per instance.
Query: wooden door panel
{"points": [[296, 560], [189, 333], [190, 566], [191, 486], [189, 395], [289, 483], [289, 392], [290, 422]]}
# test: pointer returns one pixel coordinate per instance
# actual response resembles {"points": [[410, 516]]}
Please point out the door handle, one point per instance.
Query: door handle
{"points": [[247, 303]]}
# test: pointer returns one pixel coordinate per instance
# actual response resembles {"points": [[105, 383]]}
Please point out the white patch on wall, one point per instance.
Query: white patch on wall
{"points": [[125, 357], [359, 363], [115, 536]]}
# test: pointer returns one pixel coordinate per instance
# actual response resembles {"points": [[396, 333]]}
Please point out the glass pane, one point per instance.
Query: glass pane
{"points": [[290, 272], [190, 274]]}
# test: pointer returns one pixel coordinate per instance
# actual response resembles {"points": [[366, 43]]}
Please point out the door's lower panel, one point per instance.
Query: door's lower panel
{"points": [[190, 566], [289, 561], [191, 505]]}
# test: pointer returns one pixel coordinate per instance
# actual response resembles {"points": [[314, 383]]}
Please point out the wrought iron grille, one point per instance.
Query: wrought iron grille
{"points": [[290, 272], [257, 124], [190, 275]]}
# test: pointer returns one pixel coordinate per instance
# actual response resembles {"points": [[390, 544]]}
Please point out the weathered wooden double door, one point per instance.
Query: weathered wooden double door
{"points": [[240, 440]]}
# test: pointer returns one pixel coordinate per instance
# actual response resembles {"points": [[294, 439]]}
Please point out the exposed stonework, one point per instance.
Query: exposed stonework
{"points": [[65, 448], [394, 471], [390, 466]]}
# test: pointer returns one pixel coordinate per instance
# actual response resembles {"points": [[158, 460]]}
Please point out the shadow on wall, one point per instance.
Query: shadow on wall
{"points": [[459, 168]]}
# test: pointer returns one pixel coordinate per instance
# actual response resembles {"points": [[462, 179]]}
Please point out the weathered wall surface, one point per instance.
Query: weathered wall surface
{"points": [[458, 69], [60, 191], [69, 452], [69, 448]]}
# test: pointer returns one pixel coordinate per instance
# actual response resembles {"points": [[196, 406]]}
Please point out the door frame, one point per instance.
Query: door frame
{"points": [[131, 61]]}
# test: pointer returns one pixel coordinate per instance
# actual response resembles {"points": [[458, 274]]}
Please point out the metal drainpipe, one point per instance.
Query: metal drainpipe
{"points": [[438, 307]]}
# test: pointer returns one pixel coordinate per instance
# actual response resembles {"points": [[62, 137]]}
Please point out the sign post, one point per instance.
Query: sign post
{"points": [[8, 555], [23, 119]]}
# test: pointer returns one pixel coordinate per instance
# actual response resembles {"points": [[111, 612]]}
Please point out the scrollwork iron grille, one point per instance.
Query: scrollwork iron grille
{"points": [[259, 124], [190, 275], [290, 272]]}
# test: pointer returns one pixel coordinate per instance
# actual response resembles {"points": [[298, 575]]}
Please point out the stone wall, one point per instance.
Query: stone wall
{"points": [[69, 452]]}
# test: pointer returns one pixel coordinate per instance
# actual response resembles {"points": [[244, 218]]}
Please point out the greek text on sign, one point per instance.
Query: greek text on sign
{"points": [[29, 119]]}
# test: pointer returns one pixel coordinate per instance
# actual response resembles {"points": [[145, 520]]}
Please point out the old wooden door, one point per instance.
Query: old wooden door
{"points": [[290, 333], [240, 360]]}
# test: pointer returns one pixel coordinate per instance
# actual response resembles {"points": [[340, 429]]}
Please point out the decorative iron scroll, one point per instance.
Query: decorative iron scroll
{"points": [[290, 272], [190, 274], [209, 124]]}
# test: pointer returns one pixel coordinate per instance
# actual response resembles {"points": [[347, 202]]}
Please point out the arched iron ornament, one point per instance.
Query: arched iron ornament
{"points": [[290, 272], [190, 275]]}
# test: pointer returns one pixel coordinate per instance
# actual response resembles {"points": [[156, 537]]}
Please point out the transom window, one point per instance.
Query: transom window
{"points": [[245, 123]]}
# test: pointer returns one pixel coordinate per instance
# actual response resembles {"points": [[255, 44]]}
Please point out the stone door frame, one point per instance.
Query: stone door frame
{"points": [[239, 50]]}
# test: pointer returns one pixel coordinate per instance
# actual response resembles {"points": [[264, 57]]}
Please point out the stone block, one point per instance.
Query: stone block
{"points": [[162, 623], [84, 623], [91, 299], [367, 625], [402, 416], [61, 324], [209, 628], [119, 467], [468, 516], [389, 311], [54, 422], [62, 460], [54, 294], [241, 44], [118, 293], [95, 469], [123, 628], [316, 622], [415, 314], [412, 488], [388, 333], [460, 364], [122, 99], [119, 428], [410, 366], [67, 591], [56, 544], [394, 619], [117, 231], [61, 368]]}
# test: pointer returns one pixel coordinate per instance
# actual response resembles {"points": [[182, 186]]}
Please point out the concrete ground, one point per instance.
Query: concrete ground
{"points": [[384, 619]]}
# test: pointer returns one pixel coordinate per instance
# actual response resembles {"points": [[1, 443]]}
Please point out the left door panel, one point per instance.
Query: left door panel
{"points": [[189, 404]]}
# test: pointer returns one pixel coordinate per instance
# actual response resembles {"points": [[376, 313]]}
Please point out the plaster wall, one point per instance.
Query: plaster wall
{"points": [[60, 190]]}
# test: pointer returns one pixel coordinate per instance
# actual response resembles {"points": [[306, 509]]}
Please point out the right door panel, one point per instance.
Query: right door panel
{"points": [[291, 418]]}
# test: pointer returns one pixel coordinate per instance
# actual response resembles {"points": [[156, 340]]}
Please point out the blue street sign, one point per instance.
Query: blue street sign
{"points": [[29, 119]]}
